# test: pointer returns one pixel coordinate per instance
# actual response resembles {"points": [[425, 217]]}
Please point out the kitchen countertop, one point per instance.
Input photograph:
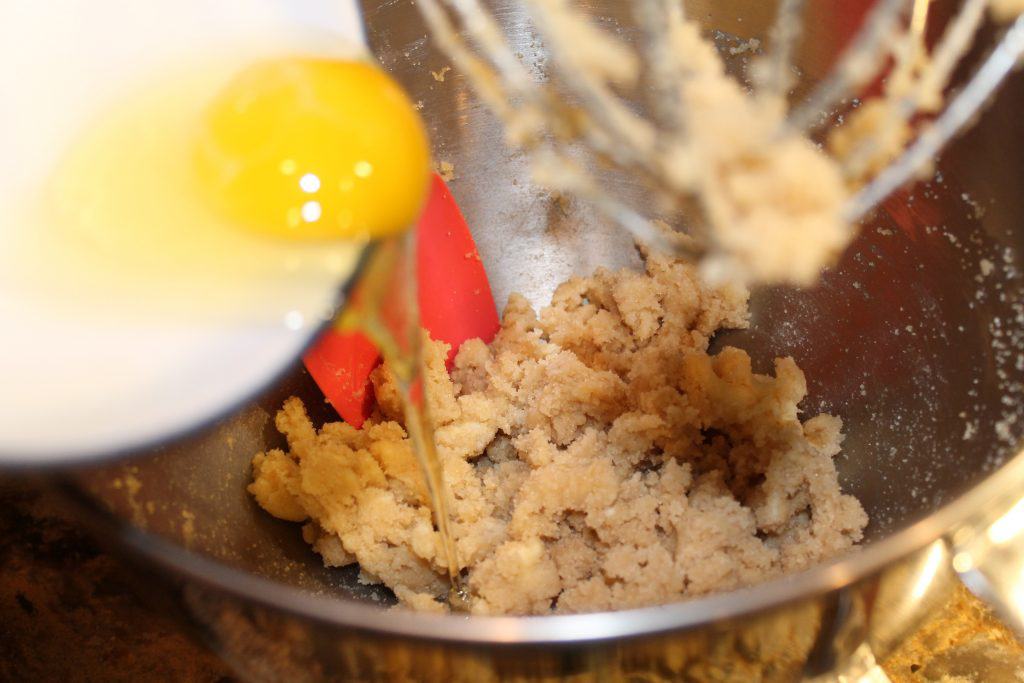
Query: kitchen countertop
{"points": [[71, 611]]}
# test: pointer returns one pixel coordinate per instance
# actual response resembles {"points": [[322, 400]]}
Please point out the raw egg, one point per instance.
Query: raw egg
{"points": [[239, 193], [186, 190], [314, 149]]}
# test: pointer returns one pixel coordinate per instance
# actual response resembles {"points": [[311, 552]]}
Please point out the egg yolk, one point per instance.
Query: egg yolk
{"points": [[307, 148]]}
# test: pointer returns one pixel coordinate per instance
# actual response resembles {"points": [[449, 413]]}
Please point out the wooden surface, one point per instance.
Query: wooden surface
{"points": [[71, 612]]}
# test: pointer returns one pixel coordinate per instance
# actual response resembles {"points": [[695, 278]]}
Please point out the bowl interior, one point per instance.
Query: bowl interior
{"points": [[914, 339]]}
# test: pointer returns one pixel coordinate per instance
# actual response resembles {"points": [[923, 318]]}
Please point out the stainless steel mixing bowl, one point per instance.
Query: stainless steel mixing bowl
{"points": [[915, 340]]}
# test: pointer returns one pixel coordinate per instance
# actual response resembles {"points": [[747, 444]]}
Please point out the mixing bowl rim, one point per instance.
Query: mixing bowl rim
{"points": [[562, 629]]}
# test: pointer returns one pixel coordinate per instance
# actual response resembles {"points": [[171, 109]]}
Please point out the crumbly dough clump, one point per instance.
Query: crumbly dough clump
{"points": [[597, 458]]}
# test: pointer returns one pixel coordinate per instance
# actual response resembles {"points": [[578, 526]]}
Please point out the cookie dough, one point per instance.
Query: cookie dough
{"points": [[597, 457]]}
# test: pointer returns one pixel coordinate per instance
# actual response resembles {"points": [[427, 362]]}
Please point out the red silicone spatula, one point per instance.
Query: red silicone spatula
{"points": [[455, 303]]}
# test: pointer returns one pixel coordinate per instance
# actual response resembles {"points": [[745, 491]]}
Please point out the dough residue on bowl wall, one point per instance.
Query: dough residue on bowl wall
{"points": [[597, 455]]}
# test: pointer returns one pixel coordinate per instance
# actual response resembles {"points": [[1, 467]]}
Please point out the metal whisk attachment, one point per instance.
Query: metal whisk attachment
{"points": [[768, 190]]}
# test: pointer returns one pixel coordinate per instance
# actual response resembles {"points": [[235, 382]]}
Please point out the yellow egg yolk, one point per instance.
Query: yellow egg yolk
{"points": [[307, 148]]}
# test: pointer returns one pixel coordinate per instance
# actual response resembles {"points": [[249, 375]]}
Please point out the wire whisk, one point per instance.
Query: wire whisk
{"points": [[769, 190]]}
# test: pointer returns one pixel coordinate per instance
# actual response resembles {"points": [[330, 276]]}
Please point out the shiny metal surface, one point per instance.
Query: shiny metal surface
{"points": [[914, 340]]}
